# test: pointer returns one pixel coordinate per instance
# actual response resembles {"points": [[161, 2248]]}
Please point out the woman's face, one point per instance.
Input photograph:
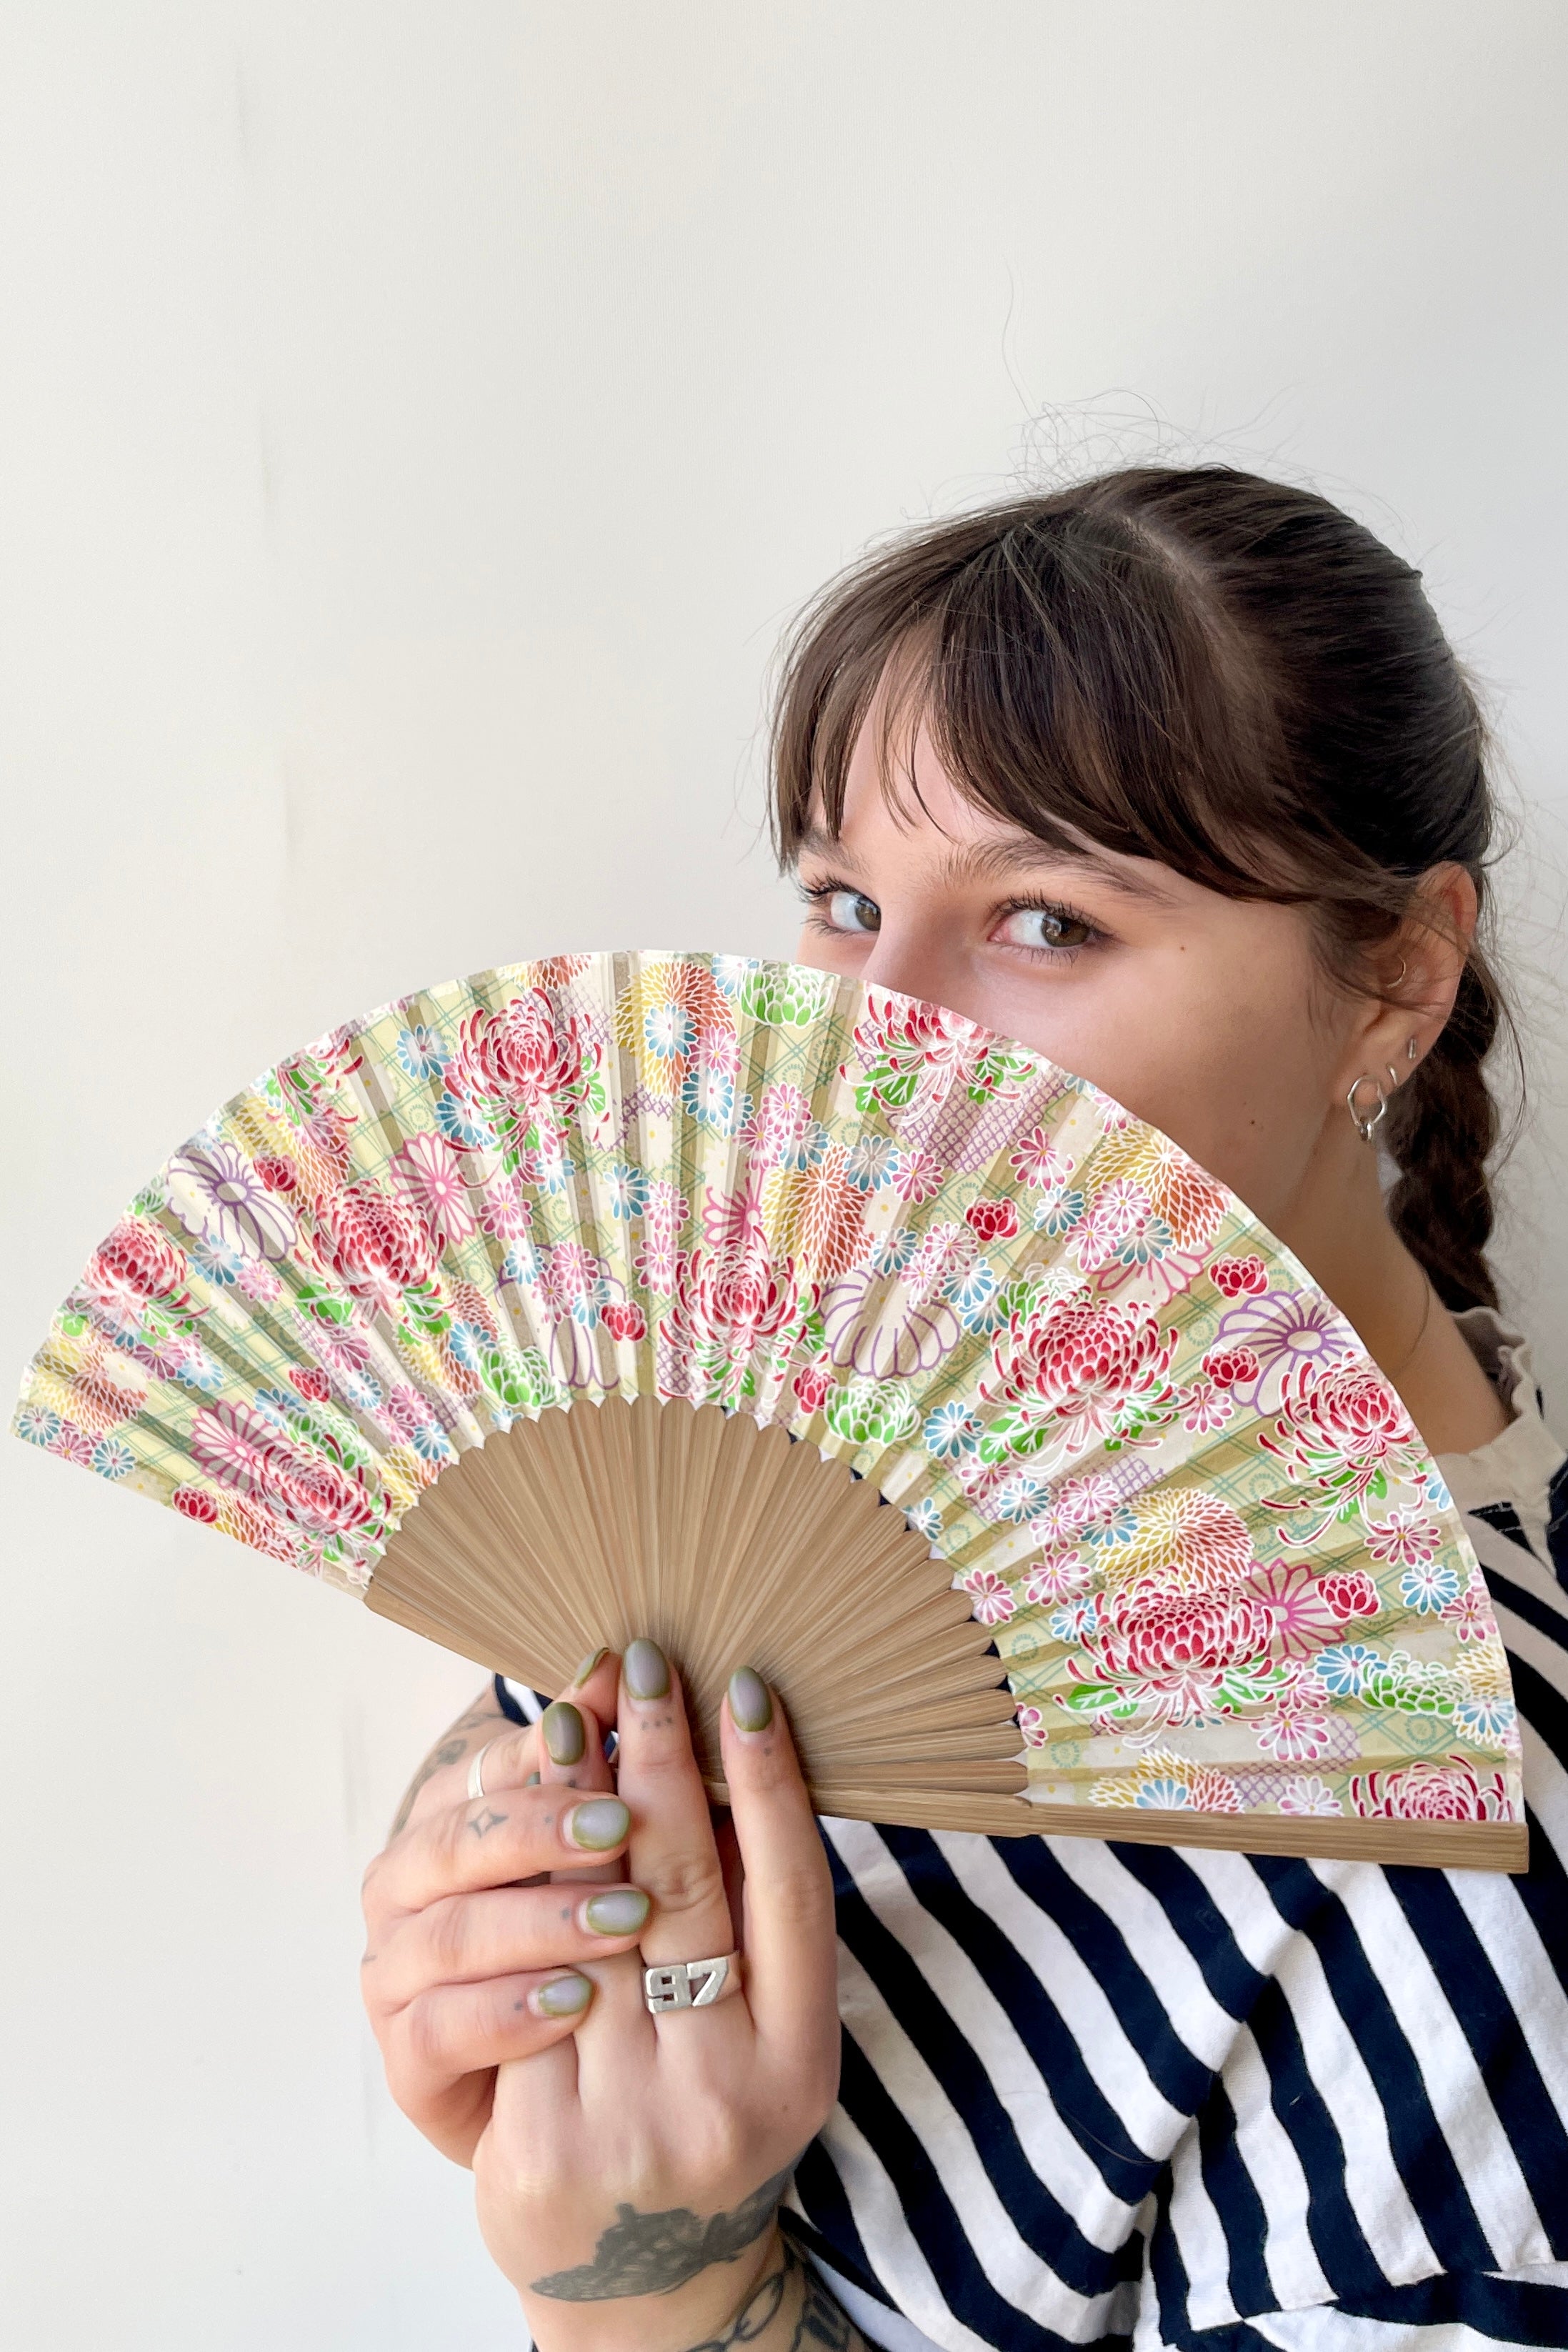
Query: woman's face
{"points": [[1207, 1015]]}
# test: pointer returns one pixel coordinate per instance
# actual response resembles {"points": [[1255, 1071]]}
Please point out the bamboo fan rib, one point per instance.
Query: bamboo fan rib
{"points": [[807, 1327]]}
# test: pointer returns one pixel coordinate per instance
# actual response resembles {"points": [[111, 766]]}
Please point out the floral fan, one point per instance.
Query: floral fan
{"points": [[501, 1308]]}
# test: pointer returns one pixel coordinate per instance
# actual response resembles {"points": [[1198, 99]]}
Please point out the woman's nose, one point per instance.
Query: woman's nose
{"points": [[909, 963]]}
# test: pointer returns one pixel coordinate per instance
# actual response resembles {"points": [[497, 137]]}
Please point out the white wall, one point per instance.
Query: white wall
{"points": [[415, 424]]}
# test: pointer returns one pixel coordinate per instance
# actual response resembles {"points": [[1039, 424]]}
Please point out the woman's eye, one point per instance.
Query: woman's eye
{"points": [[850, 911], [1043, 927]]}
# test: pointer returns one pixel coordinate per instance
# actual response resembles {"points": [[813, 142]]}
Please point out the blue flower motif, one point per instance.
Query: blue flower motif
{"points": [[556, 1165], [872, 1162], [461, 1123], [422, 1052], [1487, 1718], [112, 1458], [431, 1443], [1430, 1587], [973, 1293], [1118, 1527], [1016, 1497], [730, 971], [951, 1431], [1173, 1796], [1057, 1213], [1346, 1667], [39, 1424], [708, 1097], [805, 1151], [522, 1264], [1076, 1620], [628, 1192], [925, 1518], [358, 1389], [1437, 1493], [669, 1031], [466, 1340], [219, 1260], [277, 1403], [893, 1252], [1151, 1242], [199, 1370]]}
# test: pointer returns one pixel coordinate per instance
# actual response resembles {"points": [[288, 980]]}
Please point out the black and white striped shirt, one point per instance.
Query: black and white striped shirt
{"points": [[1107, 2095]]}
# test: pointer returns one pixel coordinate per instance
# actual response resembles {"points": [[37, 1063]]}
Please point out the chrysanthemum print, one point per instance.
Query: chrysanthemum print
{"points": [[1220, 1570]]}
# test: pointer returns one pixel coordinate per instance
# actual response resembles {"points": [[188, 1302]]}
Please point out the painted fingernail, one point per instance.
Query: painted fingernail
{"points": [[594, 1658], [646, 1670], [750, 1701], [564, 1736], [619, 1911], [599, 1825], [562, 1996]]}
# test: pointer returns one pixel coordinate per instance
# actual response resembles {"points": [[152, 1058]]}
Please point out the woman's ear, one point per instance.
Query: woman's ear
{"points": [[1413, 978]]}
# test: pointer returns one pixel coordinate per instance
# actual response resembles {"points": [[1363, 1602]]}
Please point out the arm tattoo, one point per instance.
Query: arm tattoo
{"points": [[651, 2254], [818, 2322]]}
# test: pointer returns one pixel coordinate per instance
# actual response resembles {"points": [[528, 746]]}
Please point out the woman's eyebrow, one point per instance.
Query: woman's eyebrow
{"points": [[1020, 855]]}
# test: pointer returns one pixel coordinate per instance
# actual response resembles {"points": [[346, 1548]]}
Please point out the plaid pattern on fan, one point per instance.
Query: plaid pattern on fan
{"points": [[501, 1307]]}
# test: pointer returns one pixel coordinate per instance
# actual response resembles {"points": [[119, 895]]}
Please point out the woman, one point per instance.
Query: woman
{"points": [[1173, 776]]}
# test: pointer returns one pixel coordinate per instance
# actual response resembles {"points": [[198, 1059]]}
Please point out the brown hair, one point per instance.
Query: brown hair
{"points": [[1215, 671]]}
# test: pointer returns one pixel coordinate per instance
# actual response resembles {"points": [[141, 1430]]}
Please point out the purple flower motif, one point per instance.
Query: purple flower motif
{"points": [[1283, 1328], [218, 1197]]}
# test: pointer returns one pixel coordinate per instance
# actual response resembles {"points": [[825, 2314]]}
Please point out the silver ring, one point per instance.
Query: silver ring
{"points": [[476, 1772], [691, 1984]]}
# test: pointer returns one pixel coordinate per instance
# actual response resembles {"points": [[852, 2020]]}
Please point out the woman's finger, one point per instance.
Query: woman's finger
{"points": [[790, 1946], [516, 1833], [671, 1852], [455, 2032], [465, 1938]]}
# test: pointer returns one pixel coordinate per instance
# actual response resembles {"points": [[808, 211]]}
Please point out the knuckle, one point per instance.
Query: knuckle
{"points": [[684, 1879], [427, 2034], [449, 1940], [801, 1898]]}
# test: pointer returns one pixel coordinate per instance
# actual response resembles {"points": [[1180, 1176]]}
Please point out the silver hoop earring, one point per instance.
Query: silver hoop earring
{"points": [[1366, 1120], [1399, 977], [1410, 1049]]}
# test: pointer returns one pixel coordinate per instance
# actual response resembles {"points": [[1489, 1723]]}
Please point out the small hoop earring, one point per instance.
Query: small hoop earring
{"points": [[1410, 1049], [1399, 975], [1366, 1120]]}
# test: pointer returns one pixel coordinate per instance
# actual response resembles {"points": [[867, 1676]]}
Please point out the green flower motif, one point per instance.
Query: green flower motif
{"points": [[520, 1380], [871, 1412], [322, 1303], [781, 996]]}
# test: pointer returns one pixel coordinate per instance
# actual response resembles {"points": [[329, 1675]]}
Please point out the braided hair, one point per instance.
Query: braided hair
{"points": [[1221, 673]]}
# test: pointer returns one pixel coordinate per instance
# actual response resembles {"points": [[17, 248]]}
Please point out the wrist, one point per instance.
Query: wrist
{"points": [[701, 2317]]}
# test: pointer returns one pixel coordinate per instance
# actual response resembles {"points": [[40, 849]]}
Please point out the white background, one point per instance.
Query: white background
{"points": [[416, 424]]}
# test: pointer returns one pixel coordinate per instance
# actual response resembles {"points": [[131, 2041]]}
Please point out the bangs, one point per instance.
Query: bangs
{"points": [[1074, 678]]}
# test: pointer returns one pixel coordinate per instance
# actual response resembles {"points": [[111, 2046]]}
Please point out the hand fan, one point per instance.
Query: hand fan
{"points": [[625, 1294]]}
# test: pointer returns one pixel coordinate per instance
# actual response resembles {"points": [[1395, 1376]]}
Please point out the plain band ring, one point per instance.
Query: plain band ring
{"points": [[691, 1984], [476, 1772]]}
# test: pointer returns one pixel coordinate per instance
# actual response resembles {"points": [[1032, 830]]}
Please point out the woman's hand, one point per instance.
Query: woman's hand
{"points": [[630, 2175], [478, 1915]]}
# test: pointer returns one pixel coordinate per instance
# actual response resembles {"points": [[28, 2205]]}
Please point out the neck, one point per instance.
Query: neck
{"points": [[1339, 1228]]}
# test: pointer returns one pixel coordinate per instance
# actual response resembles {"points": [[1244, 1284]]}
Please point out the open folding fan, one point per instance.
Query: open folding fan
{"points": [[501, 1308]]}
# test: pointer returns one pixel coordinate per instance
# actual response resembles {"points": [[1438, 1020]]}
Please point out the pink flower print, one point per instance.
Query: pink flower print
{"points": [[1430, 1791], [916, 1176], [427, 1172], [1032, 1723], [1309, 1796], [311, 1382], [1293, 1732], [1214, 1792], [376, 1245], [1236, 1277], [992, 1603], [570, 1276], [1082, 1365], [731, 1220], [811, 1384], [259, 1279], [1469, 1611], [1159, 1635], [136, 1264], [1404, 1538], [526, 1053], [1057, 1576], [1303, 1618], [1338, 1414], [667, 1212], [1036, 1160], [656, 1266], [1205, 1408], [946, 1253], [624, 1319], [276, 1171], [1350, 1592], [408, 1411], [784, 1131], [1118, 1212], [992, 1221], [503, 1210], [1230, 1367], [73, 1443], [1076, 1503]]}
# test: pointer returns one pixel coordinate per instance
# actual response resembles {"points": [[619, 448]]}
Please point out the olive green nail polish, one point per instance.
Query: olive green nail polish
{"points": [[594, 1658], [750, 1701], [562, 1730], [646, 1670], [563, 1996], [619, 1911], [599, 1825]]}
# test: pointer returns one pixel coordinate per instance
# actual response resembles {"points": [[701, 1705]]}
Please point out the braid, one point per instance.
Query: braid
{"points": [[1442, 1130]]}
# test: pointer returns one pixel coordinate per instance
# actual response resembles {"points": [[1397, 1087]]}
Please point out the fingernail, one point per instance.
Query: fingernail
{"points": [[599, 1823], [646, 1670], [594, 1658], [619, 1911], [532, 1782], [750, 1701], [562, 1996], [563, 1732]]}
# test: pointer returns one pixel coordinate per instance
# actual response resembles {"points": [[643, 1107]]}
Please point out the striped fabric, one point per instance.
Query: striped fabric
{"points": [[1099, 2093]]}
